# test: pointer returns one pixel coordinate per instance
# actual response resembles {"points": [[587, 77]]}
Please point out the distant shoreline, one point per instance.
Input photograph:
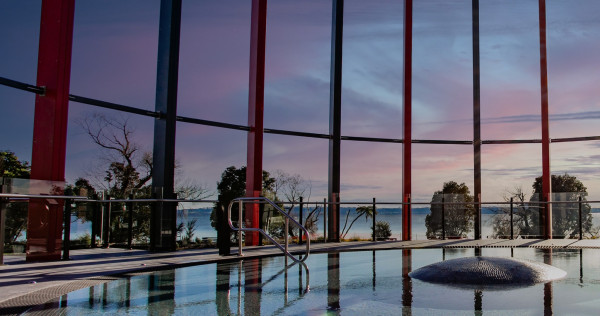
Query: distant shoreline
{"points": [[415, 210]]}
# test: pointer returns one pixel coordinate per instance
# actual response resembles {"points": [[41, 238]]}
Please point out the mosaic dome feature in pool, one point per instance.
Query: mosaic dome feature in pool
{"points": [[488, 271]]}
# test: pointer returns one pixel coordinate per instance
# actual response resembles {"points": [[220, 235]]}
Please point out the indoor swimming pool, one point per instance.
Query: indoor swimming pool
{"points": [[343, 283]]}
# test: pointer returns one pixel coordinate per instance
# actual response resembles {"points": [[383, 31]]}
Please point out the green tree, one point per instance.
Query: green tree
{"points": [[382, 230], [12, 167], [565, 216], [233, 185], [458, 217], [16, 213]]}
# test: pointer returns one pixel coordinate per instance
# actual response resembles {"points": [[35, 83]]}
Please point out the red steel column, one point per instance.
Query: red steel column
{"points": [[546, 177], [48, 152], [255, 114], [407, 122]]}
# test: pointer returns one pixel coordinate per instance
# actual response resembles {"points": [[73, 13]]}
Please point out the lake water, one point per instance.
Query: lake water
{"points": [[360, 229]]}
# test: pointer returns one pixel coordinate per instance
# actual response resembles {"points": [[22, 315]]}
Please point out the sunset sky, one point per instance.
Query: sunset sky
{"points": [[114, 59]]}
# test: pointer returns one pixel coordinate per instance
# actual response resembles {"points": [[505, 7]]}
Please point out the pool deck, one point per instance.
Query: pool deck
{"points": [[25, 284]]}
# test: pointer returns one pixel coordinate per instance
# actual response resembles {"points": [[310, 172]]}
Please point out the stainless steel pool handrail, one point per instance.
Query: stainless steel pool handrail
{"points": [[288, 218]]}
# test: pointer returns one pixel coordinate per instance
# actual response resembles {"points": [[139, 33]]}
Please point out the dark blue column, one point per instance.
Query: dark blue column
{"points": [[163, 222], [476, 121], [335, 120]]}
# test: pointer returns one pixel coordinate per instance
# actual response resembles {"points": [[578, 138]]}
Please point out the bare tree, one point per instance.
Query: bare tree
{"points": [[524, 217], [565, 223], [122, 153], [129, 168], [290, 188]]}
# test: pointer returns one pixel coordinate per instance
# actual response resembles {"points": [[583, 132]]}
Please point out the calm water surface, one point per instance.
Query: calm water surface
{"points": [[361, 228], [347, 283]]}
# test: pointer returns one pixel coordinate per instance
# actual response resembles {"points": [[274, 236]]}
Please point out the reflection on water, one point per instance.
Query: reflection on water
{"points": [[339, 284], [407, 296], [548, 285]]}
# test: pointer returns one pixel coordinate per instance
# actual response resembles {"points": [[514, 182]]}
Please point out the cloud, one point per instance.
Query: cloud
{"points": [[114, 59]]}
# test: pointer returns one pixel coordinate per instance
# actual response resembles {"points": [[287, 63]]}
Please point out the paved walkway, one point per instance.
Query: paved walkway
{"points": [[25, 284]]}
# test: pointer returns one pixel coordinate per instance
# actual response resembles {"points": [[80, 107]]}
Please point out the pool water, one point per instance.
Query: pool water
{"points": [[345, 283]]}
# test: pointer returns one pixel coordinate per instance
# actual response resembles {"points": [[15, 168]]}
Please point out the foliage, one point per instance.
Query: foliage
{"points": [[233, 185], [188, 231], [565, 217], [128, 172], [382, 230], [310, 222], [366, 211], [458, 217], [281, 187], [11, 167], [276, 228], [16, 213], [82, 241], [291, 188], [81, 187]]}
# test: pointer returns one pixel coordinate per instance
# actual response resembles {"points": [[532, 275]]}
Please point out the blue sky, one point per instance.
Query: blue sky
{"points": [[114, 59]]}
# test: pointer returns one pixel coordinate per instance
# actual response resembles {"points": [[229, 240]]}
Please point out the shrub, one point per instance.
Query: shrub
{"points": [[382, 230]]}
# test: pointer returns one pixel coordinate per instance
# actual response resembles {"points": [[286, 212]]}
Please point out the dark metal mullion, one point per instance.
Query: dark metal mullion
{"points": [[112, 106], [476, 120], [508, 141], [191, 120], [212, 123], [163, 228], [442, 142], [292, 133], [335, 120], [407, 122], [371, 139], [574, 139], [22, 86]]}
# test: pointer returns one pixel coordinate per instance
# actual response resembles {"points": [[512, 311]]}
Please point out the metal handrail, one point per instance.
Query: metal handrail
{"points": [[264, 200], [42, 196]]}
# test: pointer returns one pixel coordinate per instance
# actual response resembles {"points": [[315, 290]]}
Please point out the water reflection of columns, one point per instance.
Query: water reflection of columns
{"points": [[223, 288], [91, 296], [478, 294], [548, 285], [478, 302], [161, 293], [285, 282], [252, 286], [374, 272], [128, 293], [333, 281], [406, 282], [64, 301], [581, 266], [104, 295]]}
